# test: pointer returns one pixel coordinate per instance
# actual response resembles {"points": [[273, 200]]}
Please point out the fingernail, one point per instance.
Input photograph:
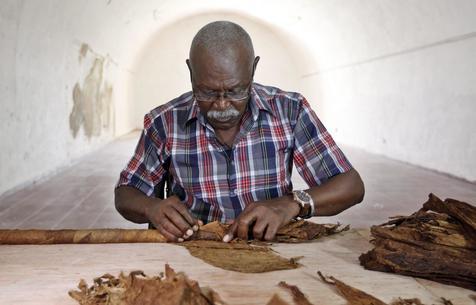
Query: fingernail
{"points": [[226, 238], [189, 232], [185, 236], [200, 223], [195, 228], [180, 240]]}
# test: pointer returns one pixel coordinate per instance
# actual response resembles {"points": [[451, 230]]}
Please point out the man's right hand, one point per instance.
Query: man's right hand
{"points": [[171, 218]]}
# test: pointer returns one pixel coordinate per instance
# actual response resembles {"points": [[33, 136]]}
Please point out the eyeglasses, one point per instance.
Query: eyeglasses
{"points": [[234, 95]]}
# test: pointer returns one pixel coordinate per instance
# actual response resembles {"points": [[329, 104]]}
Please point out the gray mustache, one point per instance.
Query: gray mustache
{"points": [[223, 116]]}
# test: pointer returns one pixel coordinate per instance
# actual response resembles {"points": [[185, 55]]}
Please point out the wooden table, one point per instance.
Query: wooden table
{"points": [[44, 274]]}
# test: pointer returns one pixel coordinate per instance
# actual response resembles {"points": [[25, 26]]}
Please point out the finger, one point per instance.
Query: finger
{"points": [[259, 229], [169, 226], [182, 209], [271, 231], [231, 232], [244, 224], [169, 236], [179, 221]]}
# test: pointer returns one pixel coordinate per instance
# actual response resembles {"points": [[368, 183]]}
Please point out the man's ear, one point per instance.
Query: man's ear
{"points": [[189, 69], [255, 63]]}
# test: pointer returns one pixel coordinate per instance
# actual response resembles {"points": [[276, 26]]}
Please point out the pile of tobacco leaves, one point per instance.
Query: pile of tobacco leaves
{"points": [[174, 288], [438, 243], [138, 289]]}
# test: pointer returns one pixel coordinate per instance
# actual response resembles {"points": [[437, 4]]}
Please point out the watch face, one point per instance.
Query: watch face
{"points": [[303, 196]]}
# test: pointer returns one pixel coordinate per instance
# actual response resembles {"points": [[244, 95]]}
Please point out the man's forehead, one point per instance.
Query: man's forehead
{"points": [[229, 54], [221, 65]]}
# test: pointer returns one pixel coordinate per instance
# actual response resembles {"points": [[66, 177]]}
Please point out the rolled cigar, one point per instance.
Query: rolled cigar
{"points": [[293, 232], [94, 236]]}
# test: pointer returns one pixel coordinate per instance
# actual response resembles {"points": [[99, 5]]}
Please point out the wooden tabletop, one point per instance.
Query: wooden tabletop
{"points": [[44, 274]]}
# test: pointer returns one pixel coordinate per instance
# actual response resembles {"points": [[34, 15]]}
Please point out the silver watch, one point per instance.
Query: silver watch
{"points": [[306, 203]]}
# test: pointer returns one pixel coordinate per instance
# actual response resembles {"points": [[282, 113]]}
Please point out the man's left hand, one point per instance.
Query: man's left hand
{"points": [[264, 217]]}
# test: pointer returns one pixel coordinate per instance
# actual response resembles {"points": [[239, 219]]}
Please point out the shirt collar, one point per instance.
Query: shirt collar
{"points": [[193, 111], [256, 103]]}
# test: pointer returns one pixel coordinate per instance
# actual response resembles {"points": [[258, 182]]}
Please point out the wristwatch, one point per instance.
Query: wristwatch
{"points": [[305, 202]]}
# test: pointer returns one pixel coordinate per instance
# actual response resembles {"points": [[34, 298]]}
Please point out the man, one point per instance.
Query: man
{"points": [[229, 146]]}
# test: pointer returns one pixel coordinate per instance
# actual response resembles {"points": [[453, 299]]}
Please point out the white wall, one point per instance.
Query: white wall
{"points": [[402, 80], [41, 65], [392, 77]]}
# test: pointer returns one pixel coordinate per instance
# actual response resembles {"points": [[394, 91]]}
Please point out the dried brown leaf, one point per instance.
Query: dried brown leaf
{"points": [[437, 243], [138, 289], [353, 295], [298, 296]]}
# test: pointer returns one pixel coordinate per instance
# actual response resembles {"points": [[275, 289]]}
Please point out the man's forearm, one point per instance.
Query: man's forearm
{"points": [[337, 194], [132, 203]]}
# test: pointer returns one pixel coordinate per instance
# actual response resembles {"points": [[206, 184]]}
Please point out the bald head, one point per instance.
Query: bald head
{"points": [[222, 39], [222, 63]]}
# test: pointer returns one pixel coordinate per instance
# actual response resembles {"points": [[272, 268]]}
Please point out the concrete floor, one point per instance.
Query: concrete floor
{"points": [[82, 196]]}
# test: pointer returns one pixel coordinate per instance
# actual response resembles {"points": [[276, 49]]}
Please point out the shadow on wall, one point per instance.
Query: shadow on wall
{"points": [[159, 72], [92, 101]]}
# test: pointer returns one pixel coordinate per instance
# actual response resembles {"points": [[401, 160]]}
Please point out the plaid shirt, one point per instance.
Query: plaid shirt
{"points": [[216, 182]]}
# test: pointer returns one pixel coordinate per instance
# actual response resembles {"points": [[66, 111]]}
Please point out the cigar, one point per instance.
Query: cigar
{"points": [[93, 236]]}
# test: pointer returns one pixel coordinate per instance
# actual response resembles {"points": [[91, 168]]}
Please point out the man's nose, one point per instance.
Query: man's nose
{"points": [[222, 103]]}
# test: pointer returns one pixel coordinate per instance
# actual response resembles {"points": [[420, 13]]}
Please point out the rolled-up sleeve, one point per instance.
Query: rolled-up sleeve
{"points": [[145, 169], [316, 156]]}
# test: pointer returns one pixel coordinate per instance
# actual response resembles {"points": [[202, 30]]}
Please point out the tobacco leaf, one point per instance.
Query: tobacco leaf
{"points": [[420, 239], [296, 231], [276, 300], [214, 230], [255, 256], [437, 265], [427, 230], [239, 256], [138, 289], [462, 211], [298, 296], [416, 301], [437, 243], [301, 231], [352, 295], [356, 296]]}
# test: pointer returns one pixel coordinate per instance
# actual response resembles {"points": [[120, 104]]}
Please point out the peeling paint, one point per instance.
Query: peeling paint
{"points": [[105, 106], [92, 101]]}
